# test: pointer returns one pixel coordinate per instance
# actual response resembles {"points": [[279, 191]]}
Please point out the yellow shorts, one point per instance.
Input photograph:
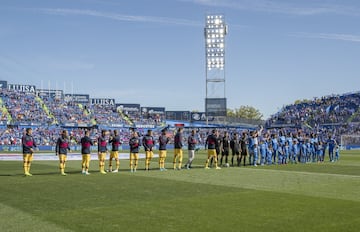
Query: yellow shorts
{"points": [[62, 157], [134, 156], [162, 153], [149, 154], [211, 152], [86, 157], [102, 155], [28, 157], [114, 155], [178, 152]]}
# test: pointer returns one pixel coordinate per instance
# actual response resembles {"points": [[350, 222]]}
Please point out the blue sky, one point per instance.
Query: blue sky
{"points": [[152, 52]]}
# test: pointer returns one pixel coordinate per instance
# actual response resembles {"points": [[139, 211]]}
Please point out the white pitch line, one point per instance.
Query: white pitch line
{"points": [[305, 173]]}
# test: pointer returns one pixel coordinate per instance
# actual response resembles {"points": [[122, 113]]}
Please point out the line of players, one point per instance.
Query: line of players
{"points": [[283, 148], [260, 149], [147, 141]]}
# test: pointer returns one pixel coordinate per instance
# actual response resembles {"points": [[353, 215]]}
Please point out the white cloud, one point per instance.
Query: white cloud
{"points": [[329, 36], [118, 17], [306, 8]]}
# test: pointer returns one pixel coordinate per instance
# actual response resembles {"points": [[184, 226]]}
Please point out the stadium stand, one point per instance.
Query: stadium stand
{"points": [[24, 108], [334, 109], [335, 115]]}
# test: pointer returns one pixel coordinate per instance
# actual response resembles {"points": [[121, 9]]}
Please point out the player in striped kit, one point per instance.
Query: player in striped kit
{"points": [[102, 150], [62, 147], [86, 144], [114, 154], [148, 144], [163, 141], [28, 145], [178, 152], [134, 144], [211, 143]]}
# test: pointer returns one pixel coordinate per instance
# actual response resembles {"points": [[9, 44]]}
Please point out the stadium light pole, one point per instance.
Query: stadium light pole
{"points": [[215, 31]]}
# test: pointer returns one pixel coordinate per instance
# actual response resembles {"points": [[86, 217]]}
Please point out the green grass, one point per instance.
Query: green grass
{"points": [[302, 197]]}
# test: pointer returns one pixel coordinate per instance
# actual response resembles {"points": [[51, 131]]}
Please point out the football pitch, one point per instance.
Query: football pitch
{"points": [[293, 197]]}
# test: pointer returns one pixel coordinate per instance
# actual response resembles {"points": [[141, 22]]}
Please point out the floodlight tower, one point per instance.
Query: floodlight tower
{"points": [[215, 31]]}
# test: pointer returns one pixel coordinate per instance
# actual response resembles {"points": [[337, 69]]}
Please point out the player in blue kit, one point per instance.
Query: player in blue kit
{"points": [[275, 147], [331, 143], [263, 147]]}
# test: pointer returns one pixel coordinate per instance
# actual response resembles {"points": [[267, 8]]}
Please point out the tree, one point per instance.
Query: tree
{"points": [[247, 112], [299, 101]]}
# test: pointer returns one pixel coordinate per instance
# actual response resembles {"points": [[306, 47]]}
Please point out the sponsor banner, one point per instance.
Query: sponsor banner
{"points": [[200, 116], [215, 107], [22, 88], [3, 84], [77, 98], [83, 125], [153, 110], [177, 115], [145, 126], [117, 125], [76, 125], [103, 101], [11, 148], [70, 125], [128, 108], [28, 124], [52, 93]]}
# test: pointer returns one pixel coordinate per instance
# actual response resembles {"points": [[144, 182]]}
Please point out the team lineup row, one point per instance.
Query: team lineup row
{"points": [[267, 150]]}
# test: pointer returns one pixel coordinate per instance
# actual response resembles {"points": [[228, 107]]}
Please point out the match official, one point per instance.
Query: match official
{"points": [[192, 141]]}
